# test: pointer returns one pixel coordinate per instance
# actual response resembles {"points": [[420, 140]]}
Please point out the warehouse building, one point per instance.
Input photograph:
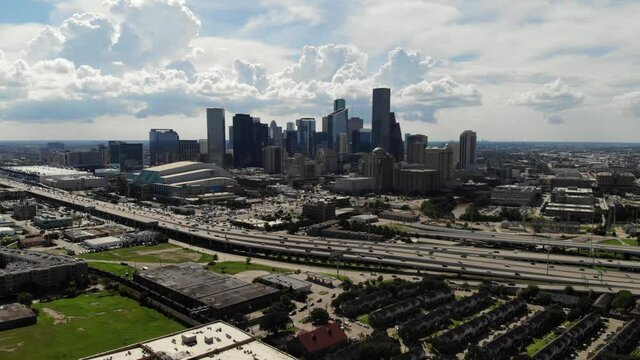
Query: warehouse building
{"points": [[103, 243], [217, 340], [285, 282], [195, 287], [58, 177], [185, 179], [20, 269]]}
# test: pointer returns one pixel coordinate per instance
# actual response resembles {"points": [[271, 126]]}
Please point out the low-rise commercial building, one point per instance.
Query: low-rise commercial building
{"points": [[514, 195], [217, 340], [285, 282], [50, 221], [572, 195], [319, 210], [195, 287]]}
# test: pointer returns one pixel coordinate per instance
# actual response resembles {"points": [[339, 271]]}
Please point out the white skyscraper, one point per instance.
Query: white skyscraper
{"points": [[216, 135]]}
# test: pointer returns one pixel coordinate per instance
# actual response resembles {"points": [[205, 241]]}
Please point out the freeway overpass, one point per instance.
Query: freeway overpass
{"points": [[455, 259]]}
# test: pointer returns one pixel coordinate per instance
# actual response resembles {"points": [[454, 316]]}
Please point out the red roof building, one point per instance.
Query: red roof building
{"points": [[318, 341]]}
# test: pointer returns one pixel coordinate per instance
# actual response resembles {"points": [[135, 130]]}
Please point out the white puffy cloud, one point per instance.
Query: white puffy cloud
{"points": [[629, 102], [153, 31], [251, 74], [132, 33], [323, 62], [551, 97], [421, 101], [402, 68], [45, 45]]}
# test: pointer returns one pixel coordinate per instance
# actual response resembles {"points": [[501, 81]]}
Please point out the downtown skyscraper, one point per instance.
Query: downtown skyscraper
{"points": [[216, 135], [380, 118], [467, 155]]}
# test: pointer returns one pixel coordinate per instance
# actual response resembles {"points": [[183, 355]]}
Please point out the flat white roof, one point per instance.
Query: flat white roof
{"points": [[229, 341], [44, 170]]}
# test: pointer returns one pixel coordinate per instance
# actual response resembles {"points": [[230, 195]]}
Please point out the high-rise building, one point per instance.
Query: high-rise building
{"points": [[250, 136], [291, 126], [353, 124], [164, 146], [272, 159], [361, 141], [216, 135], [291, 142], [415, 153], [380, 118], [441, 159], [189, 150], [379, 165], [467, 158], [306, 134], [127, 156], [275, 134], [339, 104], [396, 145], [336, 124], [415, 148], [343, 144]]}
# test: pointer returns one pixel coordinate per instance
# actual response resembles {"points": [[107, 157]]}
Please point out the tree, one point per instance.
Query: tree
{"points": [[215, 257], [623, 300], [275, 320], [319, 316], [248, 260], [24, 298], [530, 292]]}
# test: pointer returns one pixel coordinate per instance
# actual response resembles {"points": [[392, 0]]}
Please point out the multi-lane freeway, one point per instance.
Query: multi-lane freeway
{"points": [[425, 255]]}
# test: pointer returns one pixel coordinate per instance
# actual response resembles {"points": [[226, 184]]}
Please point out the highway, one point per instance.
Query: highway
{"points": [[456, 259], [515, 239]]}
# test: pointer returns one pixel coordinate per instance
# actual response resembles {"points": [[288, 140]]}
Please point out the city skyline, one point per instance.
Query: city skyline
{"points": [[89, 67]]}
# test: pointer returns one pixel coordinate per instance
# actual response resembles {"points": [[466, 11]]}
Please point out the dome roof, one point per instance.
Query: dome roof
{"points": [[378, 151]]}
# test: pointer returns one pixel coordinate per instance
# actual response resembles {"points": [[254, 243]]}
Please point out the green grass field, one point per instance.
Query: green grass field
{"points": [[116, 269], [161, 253], [82, 326], [631, 242], [234, 267], [396, 226], [538, 344], [363, 318]]}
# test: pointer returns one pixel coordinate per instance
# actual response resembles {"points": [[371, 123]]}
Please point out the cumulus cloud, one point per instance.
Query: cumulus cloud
{"points": [[422, 100], [402, 68], [132, 33], [551, 97], [323, 62], [629, 103], [251, 74], [128, 61]]}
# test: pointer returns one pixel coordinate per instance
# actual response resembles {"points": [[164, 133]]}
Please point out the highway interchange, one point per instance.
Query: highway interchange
{"points": [[427, 255]]}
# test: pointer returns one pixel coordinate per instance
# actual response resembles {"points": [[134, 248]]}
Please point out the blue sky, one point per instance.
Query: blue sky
{"points": [[87, 69]]}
